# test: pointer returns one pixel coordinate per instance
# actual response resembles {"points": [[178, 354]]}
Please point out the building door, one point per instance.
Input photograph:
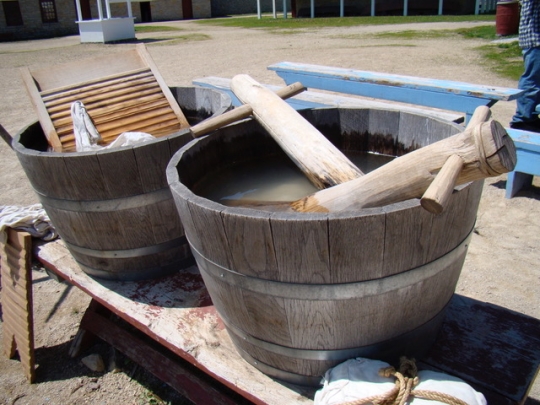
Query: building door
{"points": [[85, 10], [187, 9], [146, 12]]}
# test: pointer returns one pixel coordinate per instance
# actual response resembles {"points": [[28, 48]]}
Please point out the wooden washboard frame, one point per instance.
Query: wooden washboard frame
{"points": [[121, 92]]}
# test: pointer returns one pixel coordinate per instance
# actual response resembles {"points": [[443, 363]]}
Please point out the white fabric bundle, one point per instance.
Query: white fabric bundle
{"points": [[87, 136], [359, 378], [32, 219]]}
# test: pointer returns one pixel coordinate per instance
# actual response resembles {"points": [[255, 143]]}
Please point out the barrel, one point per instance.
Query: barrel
{"points": [[113, 208], [299, 293], [507, 17]]}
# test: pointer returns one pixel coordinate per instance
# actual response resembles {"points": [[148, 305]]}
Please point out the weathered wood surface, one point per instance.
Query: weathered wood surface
{"points": [[445, 94], [496, 350], [164, 364], [112, 207], [322, 162], [486, 150], [177, 312], [239, 113], [436, 196], [314, 99], [121, 93], [17, 304], [333, 280], [492, 348], [261, 249], [6, 136]]}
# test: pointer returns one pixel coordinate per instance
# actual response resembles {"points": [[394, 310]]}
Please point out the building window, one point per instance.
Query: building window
{"points": [[12, 11], [48, 11]]}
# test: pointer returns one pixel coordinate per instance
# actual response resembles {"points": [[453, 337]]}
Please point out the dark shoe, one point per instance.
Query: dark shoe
{"points": [[533, 126]]}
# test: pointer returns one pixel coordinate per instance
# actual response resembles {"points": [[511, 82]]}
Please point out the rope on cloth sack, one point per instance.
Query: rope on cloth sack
{"points": [[406, 380]]}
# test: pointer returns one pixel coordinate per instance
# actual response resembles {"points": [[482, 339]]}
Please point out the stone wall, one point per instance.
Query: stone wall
{"points": [[33, 27], [202, 8]]}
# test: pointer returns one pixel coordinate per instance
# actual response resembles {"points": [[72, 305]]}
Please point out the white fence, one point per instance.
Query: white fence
{"points": [[481, 7], [485, 6]]}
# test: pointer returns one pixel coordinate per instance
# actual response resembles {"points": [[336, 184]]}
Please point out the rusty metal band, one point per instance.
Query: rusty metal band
{"points": [[115, 204], [130, 274], [323, 292], [339, 354], [128, 253], [280, 374]]}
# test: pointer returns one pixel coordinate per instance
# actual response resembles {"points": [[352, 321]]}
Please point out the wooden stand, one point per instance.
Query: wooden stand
{"points": [[174, 331], [17, 310]]}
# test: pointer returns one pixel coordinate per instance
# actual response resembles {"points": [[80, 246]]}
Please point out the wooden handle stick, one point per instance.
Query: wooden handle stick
{"points": [[486, 150], [239, 113], [323, 163], [6, 136], [439, 191]]}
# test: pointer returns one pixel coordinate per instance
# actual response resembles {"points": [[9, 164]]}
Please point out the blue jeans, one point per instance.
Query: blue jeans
{"points": [[529, 81]]}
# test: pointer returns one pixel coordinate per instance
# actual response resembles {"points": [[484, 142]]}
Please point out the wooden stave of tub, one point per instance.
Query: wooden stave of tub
{"points": [[253, 262], [113, 208]]}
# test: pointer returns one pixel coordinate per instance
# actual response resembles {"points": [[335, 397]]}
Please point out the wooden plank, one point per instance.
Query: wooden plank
{"points": [[453, 225], [86, 70], [355, 254], [179, 374], [408, 234], [97, 105], [176, 311], [449, 95], [16, 284], [313, 99], [479, 341], [250, 243], [503, 344], [86, 176], [53, 96], [397, 81], [302, 247], [152, 160], [208, 226], [41, 110], [143, 53], [118, 165], [5, 136]]}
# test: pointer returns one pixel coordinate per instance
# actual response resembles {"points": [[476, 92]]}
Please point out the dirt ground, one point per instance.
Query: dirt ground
{"points": [[502, 262]]}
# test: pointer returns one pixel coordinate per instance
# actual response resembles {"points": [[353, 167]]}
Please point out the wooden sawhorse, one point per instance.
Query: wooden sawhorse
{"points": [[181, 339]]}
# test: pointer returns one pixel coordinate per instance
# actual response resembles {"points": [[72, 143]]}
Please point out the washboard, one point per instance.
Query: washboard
{"points": [[121, 92]]}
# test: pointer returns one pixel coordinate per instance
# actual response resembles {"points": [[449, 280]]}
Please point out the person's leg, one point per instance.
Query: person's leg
{"points": [[529, 81]]}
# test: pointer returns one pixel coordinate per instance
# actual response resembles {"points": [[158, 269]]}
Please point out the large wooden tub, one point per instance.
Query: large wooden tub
{"points": [[300, 293], [113, 208]]}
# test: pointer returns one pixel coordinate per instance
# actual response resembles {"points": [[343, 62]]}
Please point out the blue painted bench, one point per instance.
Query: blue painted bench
{"points": [[448, 95], [313, 99], [528, 160]]}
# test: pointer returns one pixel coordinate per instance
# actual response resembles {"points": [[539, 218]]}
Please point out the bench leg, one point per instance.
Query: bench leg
{"points": [[516, 181]]}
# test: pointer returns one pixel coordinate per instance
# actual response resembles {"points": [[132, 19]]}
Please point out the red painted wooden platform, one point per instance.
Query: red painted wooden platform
{"points": [[170, 326]]}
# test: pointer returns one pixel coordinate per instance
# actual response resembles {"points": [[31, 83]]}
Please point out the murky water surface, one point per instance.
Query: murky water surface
{"points": [[272, 179]]}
